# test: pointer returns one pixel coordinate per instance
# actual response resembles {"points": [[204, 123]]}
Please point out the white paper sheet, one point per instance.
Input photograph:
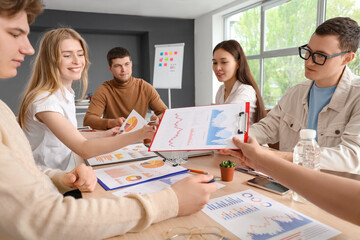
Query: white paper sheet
{"points": [[155, 186], [201, 128], [251, 215], [137, 151], [137, 172]]}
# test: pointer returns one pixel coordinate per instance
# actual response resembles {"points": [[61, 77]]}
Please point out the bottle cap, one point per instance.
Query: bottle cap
{"points": [[307, 133]]}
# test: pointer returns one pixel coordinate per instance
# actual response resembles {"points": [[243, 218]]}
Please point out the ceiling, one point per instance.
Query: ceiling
{"points": [[189, 9]]}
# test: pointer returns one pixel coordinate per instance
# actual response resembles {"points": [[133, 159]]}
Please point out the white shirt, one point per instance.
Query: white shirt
{"points": [[48, 150], [239, 93]]}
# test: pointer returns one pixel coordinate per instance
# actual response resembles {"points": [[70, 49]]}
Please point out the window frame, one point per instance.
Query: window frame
{"points": [[285, 52]]}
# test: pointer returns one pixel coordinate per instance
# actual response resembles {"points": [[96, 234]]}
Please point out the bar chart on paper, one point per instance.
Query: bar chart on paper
{"points": [[263, 218]]}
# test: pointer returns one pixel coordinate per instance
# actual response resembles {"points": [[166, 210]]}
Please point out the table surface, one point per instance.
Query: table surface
{"points": [[210, 164]]}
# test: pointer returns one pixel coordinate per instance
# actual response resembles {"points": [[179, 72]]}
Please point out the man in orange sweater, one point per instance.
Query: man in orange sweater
{"points": [[116, 98]]}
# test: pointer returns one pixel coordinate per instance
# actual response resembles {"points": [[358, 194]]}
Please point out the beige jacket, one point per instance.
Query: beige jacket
{"points": [[338, 125], [32, 207]]}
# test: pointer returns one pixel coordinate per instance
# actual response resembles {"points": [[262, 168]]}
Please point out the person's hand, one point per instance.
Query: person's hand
{"points": [[156, 119], [147, 132], [193, 193], [116, 122], [82, 177], [112, 132], [249, 152]]}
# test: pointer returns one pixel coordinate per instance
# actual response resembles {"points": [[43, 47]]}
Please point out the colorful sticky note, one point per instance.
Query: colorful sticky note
{"points": [[175, 52], [171, 59], [160, 64], [170, 53], [161, 53], [166, 53], [166, 59], [165, 64], [161, 59]]}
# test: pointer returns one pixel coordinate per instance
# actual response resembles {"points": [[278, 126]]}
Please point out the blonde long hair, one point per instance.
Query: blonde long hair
{"points": [[46, 74]]}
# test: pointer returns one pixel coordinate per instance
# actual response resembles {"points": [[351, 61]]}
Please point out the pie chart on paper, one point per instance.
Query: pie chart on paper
{"points": [[130, 124], [152, 164], [133, 178]]}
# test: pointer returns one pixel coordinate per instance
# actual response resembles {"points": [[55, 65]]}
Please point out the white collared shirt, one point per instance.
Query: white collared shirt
{"points": [[48, 150], [239, 93]]}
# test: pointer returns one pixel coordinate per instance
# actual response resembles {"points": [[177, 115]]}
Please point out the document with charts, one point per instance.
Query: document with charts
{"points": [[133, 122], [252, 216], [137, 172], [201, 128], [133, 152]]}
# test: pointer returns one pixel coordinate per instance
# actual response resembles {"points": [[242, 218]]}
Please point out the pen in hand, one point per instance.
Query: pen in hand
{"points": [[197, 171]]}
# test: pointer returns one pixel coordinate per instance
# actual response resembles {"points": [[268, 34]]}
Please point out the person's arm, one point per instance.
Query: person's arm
{"points": [[100, 134], [27, 196], [267, 130], [81, 177], [320, 188], [117, 122], [345, 156], [96, 109], [85, 148], [284, 155], [155, 102]]}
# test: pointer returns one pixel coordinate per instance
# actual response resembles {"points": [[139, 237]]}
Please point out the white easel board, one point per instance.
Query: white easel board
{"points": [[168, 66]]}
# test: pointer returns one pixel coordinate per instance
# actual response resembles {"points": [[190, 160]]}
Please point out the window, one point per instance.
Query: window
{"points": [[270, 33], [346, 8]]}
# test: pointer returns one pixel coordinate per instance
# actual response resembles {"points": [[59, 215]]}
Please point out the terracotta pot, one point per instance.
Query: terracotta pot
{"points": [[227, 174]]}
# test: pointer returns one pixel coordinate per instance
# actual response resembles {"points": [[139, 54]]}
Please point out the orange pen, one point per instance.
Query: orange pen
{"points": [[197, 171]]}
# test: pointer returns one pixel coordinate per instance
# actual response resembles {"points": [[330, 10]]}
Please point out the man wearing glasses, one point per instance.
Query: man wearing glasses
{"points": [[329, 101]]}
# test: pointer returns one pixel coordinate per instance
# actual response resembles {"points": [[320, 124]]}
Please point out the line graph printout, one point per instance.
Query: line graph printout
{"points": [[201, 128], [253, 216]]}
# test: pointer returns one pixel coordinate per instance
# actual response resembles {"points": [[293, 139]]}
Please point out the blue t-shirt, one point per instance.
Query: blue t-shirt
{"points": [[318, 99]]}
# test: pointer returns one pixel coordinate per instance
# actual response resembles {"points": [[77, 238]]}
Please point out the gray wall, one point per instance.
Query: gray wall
{"points": [[105, 31]]}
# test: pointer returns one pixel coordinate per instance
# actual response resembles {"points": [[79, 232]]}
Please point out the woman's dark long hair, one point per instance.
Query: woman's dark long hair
{"points": [[243, 74]]}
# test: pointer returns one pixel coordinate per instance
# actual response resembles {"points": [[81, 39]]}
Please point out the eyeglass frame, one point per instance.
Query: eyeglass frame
{"points": [[323, 55], [190, 232]]}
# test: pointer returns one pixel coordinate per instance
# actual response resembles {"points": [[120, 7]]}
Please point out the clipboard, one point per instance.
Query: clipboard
{"points": [[202, 128]]}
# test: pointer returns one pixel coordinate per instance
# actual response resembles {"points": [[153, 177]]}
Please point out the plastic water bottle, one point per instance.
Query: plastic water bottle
{"points": [[307, 154]]}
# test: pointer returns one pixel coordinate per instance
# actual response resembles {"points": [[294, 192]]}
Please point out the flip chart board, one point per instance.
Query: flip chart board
{"points": [[168, 66]]}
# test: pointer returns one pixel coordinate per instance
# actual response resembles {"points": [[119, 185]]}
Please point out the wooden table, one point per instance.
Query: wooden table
{"points": [[211, 164]]}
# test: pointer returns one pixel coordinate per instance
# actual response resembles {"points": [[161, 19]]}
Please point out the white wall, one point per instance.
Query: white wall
{"points": [[209, 31]]}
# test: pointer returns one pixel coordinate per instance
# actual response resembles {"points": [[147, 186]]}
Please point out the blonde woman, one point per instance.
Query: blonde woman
{"points": [[47, 112]]}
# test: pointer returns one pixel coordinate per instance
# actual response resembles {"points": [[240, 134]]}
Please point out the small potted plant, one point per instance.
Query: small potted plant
{"points": [[227, 169]]}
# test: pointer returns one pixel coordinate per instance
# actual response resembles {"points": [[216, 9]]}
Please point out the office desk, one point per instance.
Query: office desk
{"points": [[211, 164]]}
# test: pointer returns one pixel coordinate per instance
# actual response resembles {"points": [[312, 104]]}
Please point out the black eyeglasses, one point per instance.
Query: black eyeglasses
{"points": [[318, 58]]}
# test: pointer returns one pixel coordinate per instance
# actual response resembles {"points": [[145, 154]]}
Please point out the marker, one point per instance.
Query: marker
{"points": [[197, 171]]}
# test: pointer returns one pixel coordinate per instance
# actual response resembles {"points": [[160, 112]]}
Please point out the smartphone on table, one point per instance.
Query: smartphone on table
{"points": [[268, 185]]}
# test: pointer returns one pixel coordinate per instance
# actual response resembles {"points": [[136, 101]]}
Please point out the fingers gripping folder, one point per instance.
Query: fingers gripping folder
{"points": [[242, 123]]}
